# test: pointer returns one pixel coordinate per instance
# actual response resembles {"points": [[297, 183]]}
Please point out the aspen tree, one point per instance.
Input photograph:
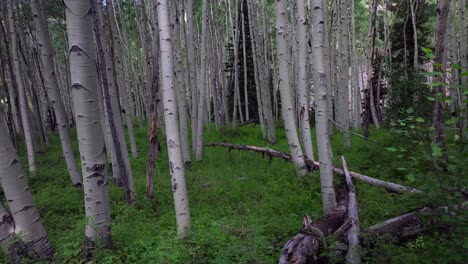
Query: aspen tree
{"points": [[27, 221], [282, 34], [111, 104], [120, 75], [301, 84], [202, 82], [321, 106], [23, 101], [84, 80], [181, 98], [176, 166], [50, 78], [192, 73], [343, 89]]}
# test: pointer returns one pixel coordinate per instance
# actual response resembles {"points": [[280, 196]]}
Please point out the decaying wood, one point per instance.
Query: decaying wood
{"points": [[353, 256], [305, 246], [411, 224], [250, 121], [313, 165]]}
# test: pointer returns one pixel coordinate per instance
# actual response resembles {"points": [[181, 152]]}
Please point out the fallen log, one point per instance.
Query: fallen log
{"points": [[314, 165], [352, 256], [411, 224], [305, 247], [250, 121]]}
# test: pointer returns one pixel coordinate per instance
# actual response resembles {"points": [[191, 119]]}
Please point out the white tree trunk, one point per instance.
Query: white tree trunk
{"points": [[23, 101], [202, 87], [192, 73], [28, 224], [50, 78], [321, 107], [120, 66], [301, 84], [282, 34], [84, 80], [181, 98], [343, 89], [176, 166]]}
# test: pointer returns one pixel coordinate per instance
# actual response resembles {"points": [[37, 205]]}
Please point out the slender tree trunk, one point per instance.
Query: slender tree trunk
{"points": [[321, 107], [282, 34], [414, 7], [23, 101], [244, 61], [119, 67], [372, 36], [84, 79], [464, 58], [301, 84], [50, 78], [27, 221], [192, 72], [343, 90], [109, 88], [181, 98], [176, 165], [438, 107], [202, 81]]}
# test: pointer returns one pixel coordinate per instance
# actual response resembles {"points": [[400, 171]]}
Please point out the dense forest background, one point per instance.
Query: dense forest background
{"points": [[233, 131]]}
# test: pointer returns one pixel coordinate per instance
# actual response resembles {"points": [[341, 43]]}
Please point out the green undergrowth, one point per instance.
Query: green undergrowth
{"points": [[244, 206]]}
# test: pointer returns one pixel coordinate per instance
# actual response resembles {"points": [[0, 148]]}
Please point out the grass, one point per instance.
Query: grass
{"points": [[244, 207]]}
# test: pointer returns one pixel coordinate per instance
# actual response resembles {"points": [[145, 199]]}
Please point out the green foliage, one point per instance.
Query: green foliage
{"points": [[407, 89], [244, 207]]}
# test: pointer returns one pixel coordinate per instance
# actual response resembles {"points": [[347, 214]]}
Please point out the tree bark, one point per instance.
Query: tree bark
{"points": [[282, 34], [202, 82], [27, 221], [23, 101], [438, 107], [353, 256], [50, 78], [321, 106], [120, 70], [111, 103], [343, 90], [305, 247], [302, 82], [84, 80], [176, 166]]}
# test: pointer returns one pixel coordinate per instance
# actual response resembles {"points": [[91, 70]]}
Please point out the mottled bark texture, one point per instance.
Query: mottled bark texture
{"points": [[23, 100], [27, 221], [321, 106], [287, 109], [202, 87], [38, 8], [84, 83], [176, 165]]}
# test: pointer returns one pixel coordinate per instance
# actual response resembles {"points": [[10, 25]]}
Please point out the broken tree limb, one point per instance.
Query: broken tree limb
{"points": [[390, 186], [411, 224], [267, 151], [305, 247], [353, 256], [250, 121]]}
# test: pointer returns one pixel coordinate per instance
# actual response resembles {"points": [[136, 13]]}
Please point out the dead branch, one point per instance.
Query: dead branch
{"points": [[390, 186], [305, 247], [411, 224], [352, 256], [250, 121]]}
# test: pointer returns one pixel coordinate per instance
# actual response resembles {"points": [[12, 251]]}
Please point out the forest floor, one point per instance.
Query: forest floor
{"points": [[244, 207]]}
